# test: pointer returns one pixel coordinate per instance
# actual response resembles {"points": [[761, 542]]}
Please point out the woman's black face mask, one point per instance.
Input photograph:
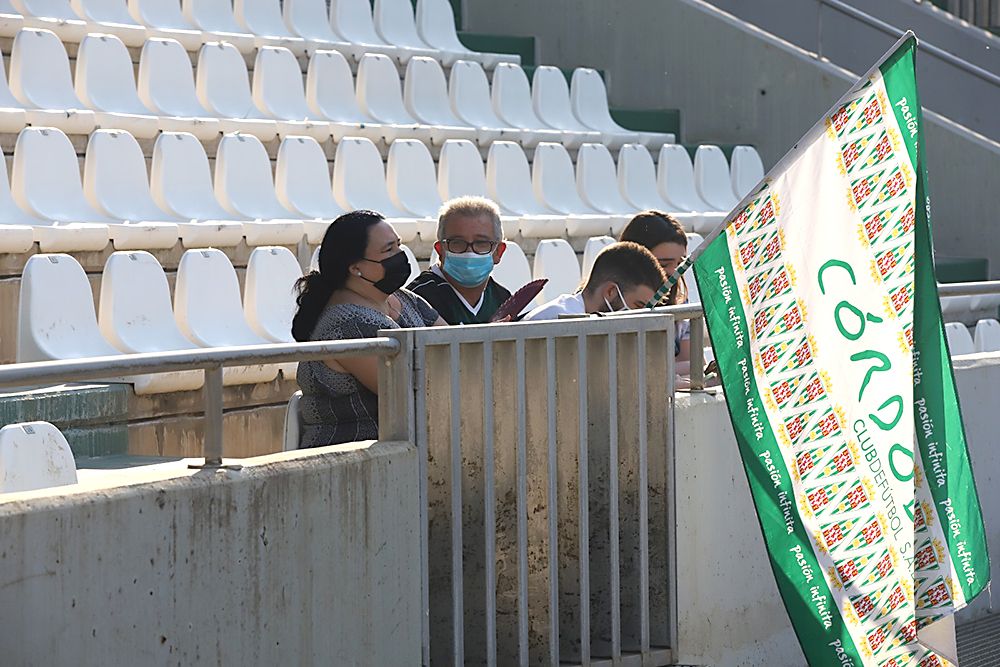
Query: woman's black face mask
{"points": [[397, 270]]}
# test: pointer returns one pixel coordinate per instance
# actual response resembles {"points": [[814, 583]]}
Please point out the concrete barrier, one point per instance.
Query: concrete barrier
{"points": [[305, 558]]}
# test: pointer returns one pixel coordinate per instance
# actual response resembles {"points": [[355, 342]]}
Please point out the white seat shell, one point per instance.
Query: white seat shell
{"points": [[164, 19], [263, 20], [359, 183], [594, 245], [425, 94], [216, 17], [245, 187], [959, 339], [987, 335], [396, 25], [135, 315], [550, 99], [513, 271], [380, 97], [54, 15], [412, 184], [469, 93], [637, 184], [597, 182], [208, 311], [353, 20], [589, 99], [511, 96], [105, 82], [712, 179], [223, 88], [13, 117], [310, 19], [40, 80], [508, 182], [435, 22], [554, 184], [461, 173], [34, 455], [166, 86], [675, 183], [269, 295], [746, 170], [556, 261], [330, 95], [111, 17], [303, 185], [278, 92]]}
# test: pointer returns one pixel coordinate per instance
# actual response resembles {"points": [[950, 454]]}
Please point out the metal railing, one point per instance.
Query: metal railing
{"points": [[546, 489], [212, 361]]}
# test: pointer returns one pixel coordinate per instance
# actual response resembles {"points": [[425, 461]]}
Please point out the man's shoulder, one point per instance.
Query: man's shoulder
{"points": [[426, 279]]}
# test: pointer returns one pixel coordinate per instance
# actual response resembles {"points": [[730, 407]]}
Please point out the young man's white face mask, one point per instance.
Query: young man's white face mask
{"points": [[621, 298]]}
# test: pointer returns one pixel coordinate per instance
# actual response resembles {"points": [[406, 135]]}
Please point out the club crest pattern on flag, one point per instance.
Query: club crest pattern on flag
{"points": [[822, 306]]}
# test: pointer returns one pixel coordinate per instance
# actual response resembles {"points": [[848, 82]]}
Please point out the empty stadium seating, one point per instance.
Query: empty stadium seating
{"points": [[959, 339], [508, 183], [425, 94], [746, 170], [555, 260], [34, 455], [554, 183], [511, 96], [712, 179], [638, 185], [676, 184], [987, 337], [269, 296], [105, 82], [595, 244], [513, 271], [302, 183]]}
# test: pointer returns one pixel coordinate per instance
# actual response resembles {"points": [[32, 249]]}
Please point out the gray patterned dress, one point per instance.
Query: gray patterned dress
{"points": [[335, 407]]}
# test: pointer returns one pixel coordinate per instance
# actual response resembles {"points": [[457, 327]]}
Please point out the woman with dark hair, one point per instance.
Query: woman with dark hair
{"points": [[663, 236], [356, 292]]}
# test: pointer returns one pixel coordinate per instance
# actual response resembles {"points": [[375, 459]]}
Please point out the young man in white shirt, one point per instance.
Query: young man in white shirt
{"points": [[625, 276]]}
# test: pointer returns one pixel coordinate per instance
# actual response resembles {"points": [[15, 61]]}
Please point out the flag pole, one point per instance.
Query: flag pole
{"points": [[690, 260]]}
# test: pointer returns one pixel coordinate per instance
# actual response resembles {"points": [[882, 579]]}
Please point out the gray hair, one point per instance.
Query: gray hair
{"points": [[472, 207]]}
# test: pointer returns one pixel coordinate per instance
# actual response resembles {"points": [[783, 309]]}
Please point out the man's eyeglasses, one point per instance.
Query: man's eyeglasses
{"points": [[458, 246]]}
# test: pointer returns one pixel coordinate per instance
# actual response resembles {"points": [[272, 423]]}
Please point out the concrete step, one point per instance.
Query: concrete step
{"points": [[979, 642]]}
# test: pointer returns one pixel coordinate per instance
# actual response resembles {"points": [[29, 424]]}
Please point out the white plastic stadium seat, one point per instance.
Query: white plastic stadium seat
{"points": [[675, 181], [550, 99], [425, 94], [20, 229], [555, 260], [987, 336], [164, 19], [166, 86], [34, 455], [136, 315], [269, 298], [597, 182], [292, 419], [436, 26], [181, 183], [216, 17], [461, 173], [359, 182], [508, 182], [223, 88], [40, 80], [303, 185], [746, 170], [111, 17], [12, 116], [380, 97], [310, 19], [414, 264], [513, 271], [469, 92], [352, 19], [694, 240], [712, 179], [511, 97], [105, 82], [637, 184], [589, 98], [330, 96], [589, 103], [555, 186], [985, 302], [115, 183], [412, 184], [46, 183], [959, 339], [278, 92], [208, 311], [262, 18], [244, 186], [56, 318], [595, 244], [395, 24], [55, 15]]}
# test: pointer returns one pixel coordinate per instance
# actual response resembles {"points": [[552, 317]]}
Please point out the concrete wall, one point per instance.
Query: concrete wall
{"points": [[737, 84], [730, 612], [302, 558]]}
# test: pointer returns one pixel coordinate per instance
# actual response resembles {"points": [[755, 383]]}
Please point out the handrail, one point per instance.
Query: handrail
{"points": [[212, 360], [892, 30]]}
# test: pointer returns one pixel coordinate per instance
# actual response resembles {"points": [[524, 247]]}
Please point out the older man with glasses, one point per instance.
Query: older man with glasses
{"points": [[469, 244]]}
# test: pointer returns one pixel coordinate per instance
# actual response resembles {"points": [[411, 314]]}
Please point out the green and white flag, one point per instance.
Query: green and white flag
{"points": [[821, 300]]}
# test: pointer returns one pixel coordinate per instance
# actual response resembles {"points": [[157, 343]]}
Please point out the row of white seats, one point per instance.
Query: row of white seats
{"points": [[304, 26], [328, 103], [958, 306], [48, 203], [56, 317], [987, 338]]}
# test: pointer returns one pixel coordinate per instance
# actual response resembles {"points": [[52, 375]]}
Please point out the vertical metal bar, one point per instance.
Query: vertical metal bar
{"points": [[671, 482], [420, 400], [616, 605], [643, 498], [212, 393], [697, 355], [550, 380], [522, 507], [584, 503], [489, 475], [458, 611]]}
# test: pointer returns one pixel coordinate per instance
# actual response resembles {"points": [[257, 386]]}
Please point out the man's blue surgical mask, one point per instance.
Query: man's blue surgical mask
{"points": [[467, 268]]}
